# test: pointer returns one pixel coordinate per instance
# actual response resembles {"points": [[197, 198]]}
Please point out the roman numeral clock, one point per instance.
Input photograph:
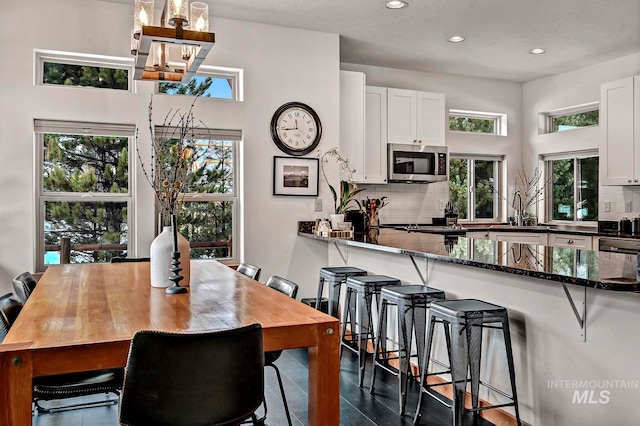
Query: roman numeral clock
{"points": [[296, 128]]}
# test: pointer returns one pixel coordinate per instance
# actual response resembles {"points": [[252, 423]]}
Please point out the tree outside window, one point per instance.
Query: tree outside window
{"points": [[574, 192], [477, 200]]}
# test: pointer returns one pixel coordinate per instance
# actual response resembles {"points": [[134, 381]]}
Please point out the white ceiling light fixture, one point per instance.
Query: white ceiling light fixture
{"points": [[151, 45], [456, 39], [396, 4], [538, 51]]}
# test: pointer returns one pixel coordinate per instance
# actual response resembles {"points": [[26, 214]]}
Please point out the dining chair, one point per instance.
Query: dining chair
{"points": [[63, 386], [249, 270], [23, 286], [201, 378], [290, 289]]}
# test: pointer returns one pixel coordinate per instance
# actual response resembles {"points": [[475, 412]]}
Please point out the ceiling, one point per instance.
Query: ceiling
{"points": [[499, 33]]}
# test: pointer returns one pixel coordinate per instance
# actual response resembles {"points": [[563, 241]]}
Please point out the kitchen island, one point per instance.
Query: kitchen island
{"points": [[574, 315]]}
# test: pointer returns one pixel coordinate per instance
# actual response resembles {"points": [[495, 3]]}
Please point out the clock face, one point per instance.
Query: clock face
{"points": [[296, 128]]}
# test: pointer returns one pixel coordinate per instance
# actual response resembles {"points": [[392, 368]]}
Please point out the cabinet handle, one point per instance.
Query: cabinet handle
{"points": [[635, 180], [629, 181], [570, 242]]}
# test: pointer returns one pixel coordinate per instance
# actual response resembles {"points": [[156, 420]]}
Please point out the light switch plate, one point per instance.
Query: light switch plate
{"points": [[317, 205], [607, 206], [627, 206], [442, 204]]}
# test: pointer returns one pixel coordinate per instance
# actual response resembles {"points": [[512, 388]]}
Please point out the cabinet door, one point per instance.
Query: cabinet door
{"points": [[431, 118], [520, 237], [583, 242], [375, 144], [617, 138], [352, 117], [401, 119]]}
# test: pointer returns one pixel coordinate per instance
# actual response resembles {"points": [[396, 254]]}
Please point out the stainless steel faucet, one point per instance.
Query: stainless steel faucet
{"points": [[519, 208]]}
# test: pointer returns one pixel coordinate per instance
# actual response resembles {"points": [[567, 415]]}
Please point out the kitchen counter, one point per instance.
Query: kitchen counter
{"points": [[600, 270]]}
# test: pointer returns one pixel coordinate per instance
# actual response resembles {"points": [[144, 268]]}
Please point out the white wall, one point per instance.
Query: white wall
{"points": [[419, 203], [274, 74], [568, 89]]}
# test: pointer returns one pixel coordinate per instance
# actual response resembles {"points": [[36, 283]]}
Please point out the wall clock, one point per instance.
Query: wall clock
{"points": [[296, 128]]}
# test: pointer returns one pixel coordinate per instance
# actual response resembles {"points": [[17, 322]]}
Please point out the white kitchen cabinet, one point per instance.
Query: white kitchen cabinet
{"points": [[363, 127], [415, 117], [583, 242], [620, 132], [539, 238], [478, 235]]}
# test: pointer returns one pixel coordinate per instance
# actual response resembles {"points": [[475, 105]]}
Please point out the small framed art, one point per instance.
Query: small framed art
{"points": [[295, 176]]}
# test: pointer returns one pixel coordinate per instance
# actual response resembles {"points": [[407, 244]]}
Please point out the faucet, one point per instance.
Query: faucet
{"points": [[519, 208]]}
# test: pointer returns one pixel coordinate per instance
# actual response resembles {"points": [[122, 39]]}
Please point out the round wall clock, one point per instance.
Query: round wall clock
{"points": [[296, 128]]}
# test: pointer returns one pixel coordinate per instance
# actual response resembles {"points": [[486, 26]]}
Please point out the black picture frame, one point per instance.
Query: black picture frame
{"points": [[296, 176]]}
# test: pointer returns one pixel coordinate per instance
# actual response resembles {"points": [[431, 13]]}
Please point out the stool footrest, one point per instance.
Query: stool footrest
{"points": [[491, 407]]}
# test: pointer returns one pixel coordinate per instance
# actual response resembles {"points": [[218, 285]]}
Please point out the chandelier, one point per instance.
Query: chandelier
{"points": [[170, 52]]}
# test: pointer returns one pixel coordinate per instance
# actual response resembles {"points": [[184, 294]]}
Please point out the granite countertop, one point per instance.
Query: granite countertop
{"points": [[601, 270]]}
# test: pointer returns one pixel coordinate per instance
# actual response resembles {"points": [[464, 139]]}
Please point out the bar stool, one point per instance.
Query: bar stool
{"points": [[335, 276], [465, 319], [360, 293], [412, 302]]}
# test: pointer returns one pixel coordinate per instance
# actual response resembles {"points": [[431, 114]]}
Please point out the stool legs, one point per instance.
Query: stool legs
{"points": [[512, 373], [334, 297]]}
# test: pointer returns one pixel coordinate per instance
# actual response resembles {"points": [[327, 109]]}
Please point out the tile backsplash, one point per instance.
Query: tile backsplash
{"points": [[409, 203], [618, 197]]}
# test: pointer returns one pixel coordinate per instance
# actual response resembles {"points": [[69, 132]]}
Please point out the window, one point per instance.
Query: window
{"points": [[473, 183], [209, 210], [477, 122], [571, 118], [84, 194], [573, 193], [76, 70], [209, 82]]}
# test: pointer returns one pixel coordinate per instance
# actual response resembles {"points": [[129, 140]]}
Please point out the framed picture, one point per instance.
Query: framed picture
{"points": [[295, 176]]}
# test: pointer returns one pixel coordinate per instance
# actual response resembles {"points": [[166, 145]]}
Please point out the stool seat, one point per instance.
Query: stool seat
{"points": [[463, 321], [411, 303], [362, 291], [335, 276]]}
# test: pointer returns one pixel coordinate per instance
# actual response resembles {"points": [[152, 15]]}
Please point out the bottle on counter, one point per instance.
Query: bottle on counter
{"points": [[625, 226], [636, 225]]}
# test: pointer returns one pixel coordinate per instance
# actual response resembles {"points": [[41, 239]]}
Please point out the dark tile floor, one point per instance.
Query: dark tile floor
{"points": [[357, 406]]}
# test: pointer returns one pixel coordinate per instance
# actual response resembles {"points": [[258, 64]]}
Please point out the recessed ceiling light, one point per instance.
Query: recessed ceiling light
{"points": [[396, 4], [538, 51], [456, 39]]}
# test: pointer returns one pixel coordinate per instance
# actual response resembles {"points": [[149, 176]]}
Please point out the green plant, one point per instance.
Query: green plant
{"points": [[348, 188]]}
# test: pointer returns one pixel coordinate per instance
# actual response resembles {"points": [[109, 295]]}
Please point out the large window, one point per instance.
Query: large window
{"points": [[84, 195], [208, 212], [473, 185], [573, 193]]}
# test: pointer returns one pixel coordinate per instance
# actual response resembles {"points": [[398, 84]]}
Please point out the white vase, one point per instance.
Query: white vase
{"points": [[336, 220], [160, 255]]}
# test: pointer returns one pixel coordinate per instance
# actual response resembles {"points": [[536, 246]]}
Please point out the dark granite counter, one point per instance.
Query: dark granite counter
{"points": [[601, 270]]}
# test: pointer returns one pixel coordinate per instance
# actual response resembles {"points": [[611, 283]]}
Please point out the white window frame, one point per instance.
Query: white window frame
{"points": [[235, 74], [499, 119], [545, 119], [42, 127], [234, 136], [548, 190], [82, 59], [497, 176]]}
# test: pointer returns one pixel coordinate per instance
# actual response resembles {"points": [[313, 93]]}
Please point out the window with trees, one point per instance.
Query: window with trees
{"points": [[477, 122], [572, 118], [209, 82], [473, 184], [573, 193], [84, 195], [76, 70]]}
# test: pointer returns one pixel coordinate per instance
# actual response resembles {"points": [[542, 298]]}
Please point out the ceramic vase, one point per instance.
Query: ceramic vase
{"points": [[336, 220], [160, 255]]}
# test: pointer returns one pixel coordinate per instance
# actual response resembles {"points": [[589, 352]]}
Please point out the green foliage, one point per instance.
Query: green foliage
{"points": [[565, 206], [582, 119], [459, 185], [86, 76], [469, 124], [197, 86]]}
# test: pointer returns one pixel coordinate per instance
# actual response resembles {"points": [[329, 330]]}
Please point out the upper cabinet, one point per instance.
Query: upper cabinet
{"points": [[415, 117], [620, 127], [363, 127]]}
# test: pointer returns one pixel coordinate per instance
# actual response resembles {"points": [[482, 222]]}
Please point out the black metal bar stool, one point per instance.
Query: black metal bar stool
{"points": [[357, 314], [335, 276], [412, 302], [465, 319]]}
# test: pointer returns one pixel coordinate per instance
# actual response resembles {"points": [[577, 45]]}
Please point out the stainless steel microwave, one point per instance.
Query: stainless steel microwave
{"points": [[417, 163]]}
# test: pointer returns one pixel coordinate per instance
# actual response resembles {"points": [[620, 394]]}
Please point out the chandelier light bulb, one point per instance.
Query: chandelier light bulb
{"points": [[199, 16], [178, 11]]}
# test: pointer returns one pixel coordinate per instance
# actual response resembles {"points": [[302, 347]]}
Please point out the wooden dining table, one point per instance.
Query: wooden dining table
{"points": [[82, 317]]}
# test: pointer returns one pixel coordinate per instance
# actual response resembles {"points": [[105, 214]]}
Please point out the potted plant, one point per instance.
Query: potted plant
{"points": [[348, 189]]}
